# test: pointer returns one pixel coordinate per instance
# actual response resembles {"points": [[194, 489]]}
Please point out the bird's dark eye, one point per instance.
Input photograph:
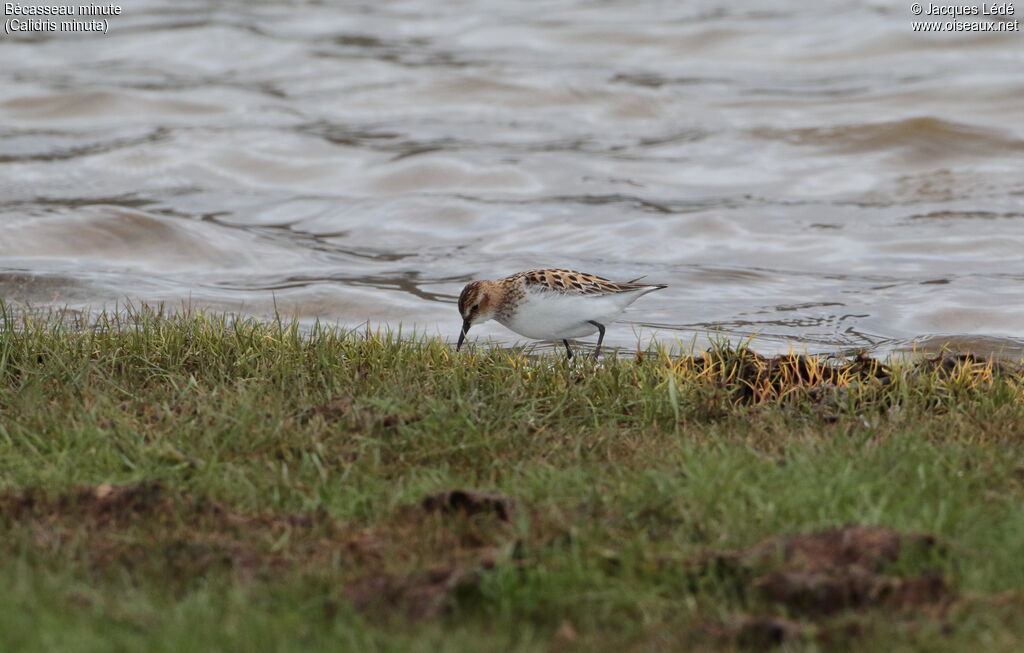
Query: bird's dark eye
{"points": [[475, 307]]}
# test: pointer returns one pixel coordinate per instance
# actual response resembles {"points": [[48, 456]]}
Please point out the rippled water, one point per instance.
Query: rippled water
{"points": [[822, 178]]}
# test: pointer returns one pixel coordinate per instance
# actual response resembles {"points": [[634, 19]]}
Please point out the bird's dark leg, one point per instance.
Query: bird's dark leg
{"points": [[568, 350], [600, 337]]}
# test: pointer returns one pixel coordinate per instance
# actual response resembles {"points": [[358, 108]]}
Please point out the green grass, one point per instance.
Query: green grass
{"points": [[199, 482]]}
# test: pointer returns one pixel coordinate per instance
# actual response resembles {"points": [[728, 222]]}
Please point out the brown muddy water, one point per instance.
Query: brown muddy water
{"points": [[818, 175]]}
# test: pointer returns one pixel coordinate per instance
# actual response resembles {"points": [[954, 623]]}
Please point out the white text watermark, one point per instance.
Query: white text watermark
{"points": [[31, 18], [981, 17]]}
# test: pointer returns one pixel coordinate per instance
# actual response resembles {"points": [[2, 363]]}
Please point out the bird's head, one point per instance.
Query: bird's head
{"points": [[477, 303]]}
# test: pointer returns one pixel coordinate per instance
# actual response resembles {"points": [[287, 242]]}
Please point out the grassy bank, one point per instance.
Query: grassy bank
{"points": [[172, 482]]}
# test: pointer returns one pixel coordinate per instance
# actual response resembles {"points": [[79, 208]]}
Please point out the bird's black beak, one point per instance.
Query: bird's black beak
{"points": [[462, 334]]}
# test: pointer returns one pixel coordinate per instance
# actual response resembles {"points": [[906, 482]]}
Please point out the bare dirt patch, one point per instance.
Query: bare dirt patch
{"points": [[814, 576], [148, 527], [416, 563], [464, 532], [419, 595]]}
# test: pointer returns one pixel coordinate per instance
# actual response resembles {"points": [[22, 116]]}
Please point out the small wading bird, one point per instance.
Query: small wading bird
{"points": [[549, 304]]}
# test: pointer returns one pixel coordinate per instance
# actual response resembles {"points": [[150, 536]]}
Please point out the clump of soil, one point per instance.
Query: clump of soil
{"points": [[817, 575], [765, 631], [471, 502]]}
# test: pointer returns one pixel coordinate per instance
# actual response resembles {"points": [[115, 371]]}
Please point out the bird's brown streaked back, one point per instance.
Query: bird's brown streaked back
{"points": [[579, 282]]}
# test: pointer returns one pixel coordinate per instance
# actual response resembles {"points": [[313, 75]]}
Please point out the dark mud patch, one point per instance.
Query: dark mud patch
{"points": [[150, 528], [416, 563], [816, 576], [866, 547], [471, 502], [464, 533], [764, 631], [418, 595], [452, 526], [103, 504], [826, 593]]}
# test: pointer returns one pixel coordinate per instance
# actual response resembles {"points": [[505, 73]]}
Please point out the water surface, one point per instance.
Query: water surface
{"points": [[820, 178]]}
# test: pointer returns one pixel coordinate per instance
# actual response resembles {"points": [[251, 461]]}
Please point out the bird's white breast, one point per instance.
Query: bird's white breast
{"points": [[548, 315]]}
